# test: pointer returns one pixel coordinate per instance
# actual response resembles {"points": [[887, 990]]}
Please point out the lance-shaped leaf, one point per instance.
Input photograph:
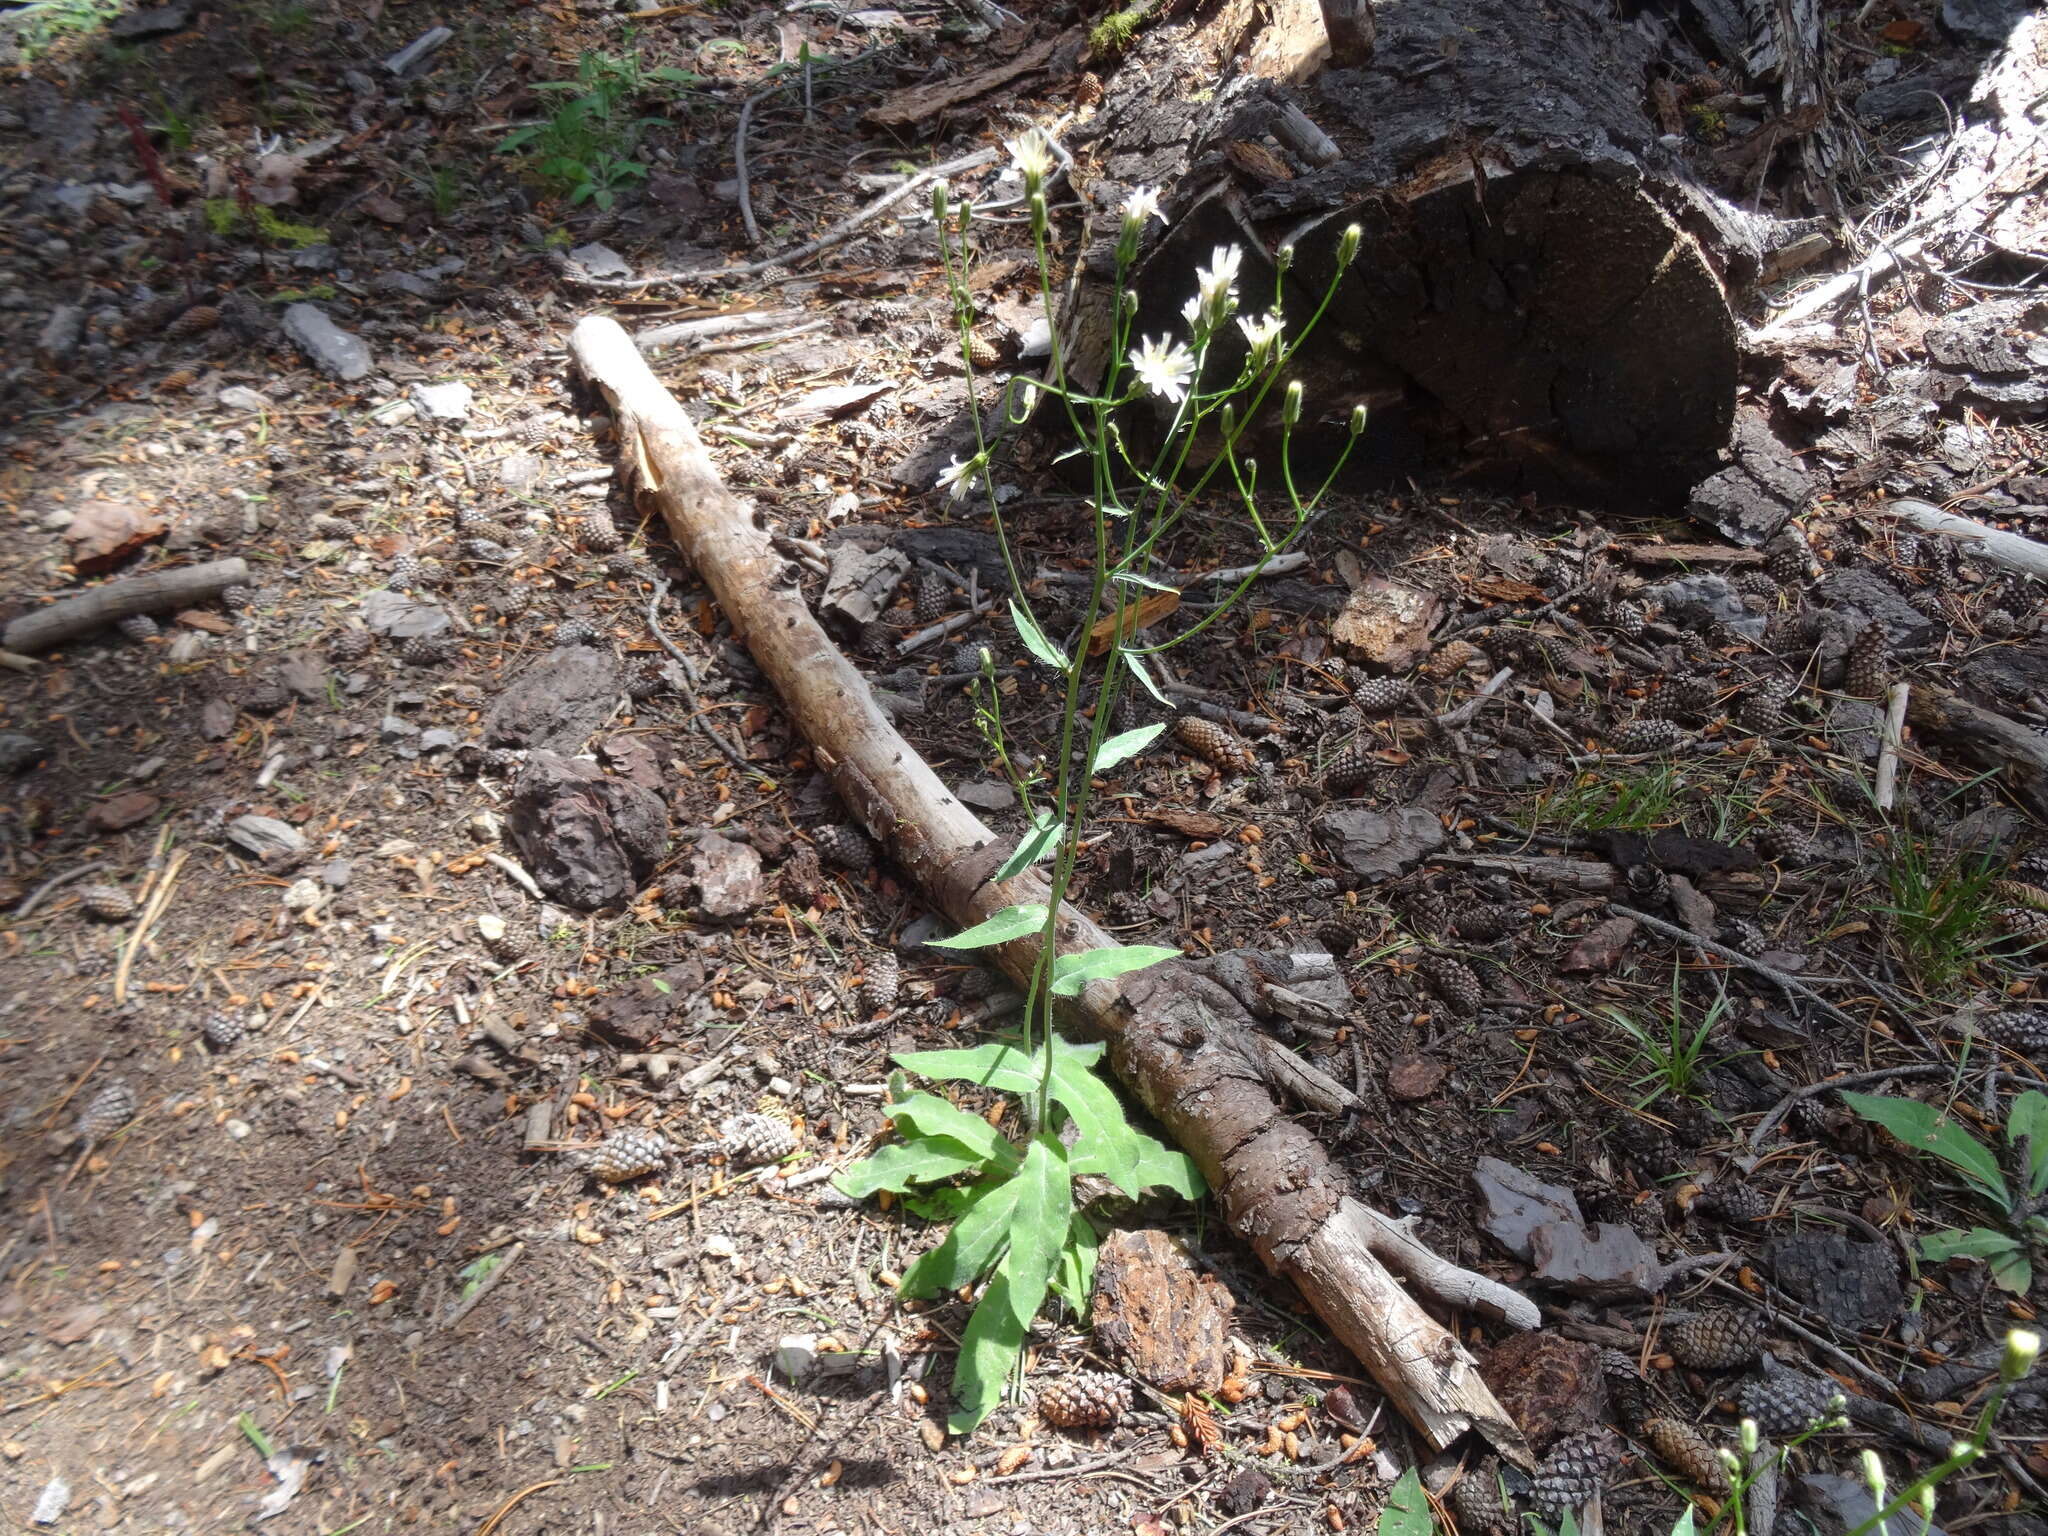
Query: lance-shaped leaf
{"points": [[1010, 923]]}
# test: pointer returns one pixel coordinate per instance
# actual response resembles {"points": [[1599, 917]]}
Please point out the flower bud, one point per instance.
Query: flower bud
{"points": [[1749, 1436], [1924, 1501], [1229, 419], [1358, 421], [939, 202], [1038, 212], [1290, 408], [1347, 246], [1129, 300], [1731, 1461], [1873, 1475], [2022, 1348], [1284, 258]]}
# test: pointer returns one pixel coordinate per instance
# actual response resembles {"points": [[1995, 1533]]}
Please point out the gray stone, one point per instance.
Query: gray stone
{"points": [[393, 729], [1380, 844], [517, 471], [557, 702], [61, 332], [266, 839], [438, 740], [600, 261], [239, 397], [18, 751], [335, 873], [1516, 1203], [588, 840], [332, 350], [728, 876], [1697, 599], [1985, 21], [443, 402], [1873, 600], [152, 21], [401, 617], [987, 795], [1838, 1505]]}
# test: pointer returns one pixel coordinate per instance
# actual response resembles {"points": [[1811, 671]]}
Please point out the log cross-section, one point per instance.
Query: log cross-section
{"points": [[1173, 1031]]}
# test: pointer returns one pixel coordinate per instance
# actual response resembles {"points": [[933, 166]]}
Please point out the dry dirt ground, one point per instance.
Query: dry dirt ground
{"points": [[333, 1263]]}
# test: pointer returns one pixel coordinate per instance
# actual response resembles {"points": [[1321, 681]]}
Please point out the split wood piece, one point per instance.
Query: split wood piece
{"points": [[158, 592], [690, 334], [1176, 1035], [2020, 755], [1994, 544]]}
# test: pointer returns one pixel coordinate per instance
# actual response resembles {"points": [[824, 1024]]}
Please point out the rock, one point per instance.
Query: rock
{"points": [[557, 702], [266, 839], [1705, 597], [1984, 21], [1605, 1262], [303, 896], [239, 397], [518, 471], [18, 751], [217, 719], [331, 349], [1601, 946], [61, 333], [1380, 844], [393, 729], [123, 811], [1413, 1075], [632, 758], [986, 795], [402, 618], [1856, 1285], [1551, 1386], [1873, 600], [1386, 623], [796, 1356], [439, 740], [1838, 1505], [152, 21], [442, 402], [1755, 495], [104, 533], [1157, 1316], [636, 1016], [306, 678], [334, 874], [588, 840], [728, 876], [600, 261], [1517, 1203]]}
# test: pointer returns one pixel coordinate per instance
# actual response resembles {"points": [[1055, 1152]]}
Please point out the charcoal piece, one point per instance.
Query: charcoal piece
{"points": [[557, 702], [589, 840], [1855, 1284]]}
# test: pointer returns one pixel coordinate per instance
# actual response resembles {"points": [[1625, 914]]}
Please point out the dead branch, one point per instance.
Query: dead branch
{"points": [[1177, 1036], [157, 592], [1994, 544]]}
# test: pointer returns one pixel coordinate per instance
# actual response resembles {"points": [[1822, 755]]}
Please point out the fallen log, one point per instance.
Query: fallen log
{"points": [[1995, 544], [1179, 1039], [157, 592]]}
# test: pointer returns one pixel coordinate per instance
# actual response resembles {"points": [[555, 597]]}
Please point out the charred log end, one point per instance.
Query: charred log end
{"points": [[1541, 328]]}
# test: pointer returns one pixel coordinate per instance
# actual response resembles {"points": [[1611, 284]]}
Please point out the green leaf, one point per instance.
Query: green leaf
{"points": [[992, 1064], [1040, 841], [2027, 1122], [1926, 1129], [1952, 1243], [929, 1116], [1010, 923], [942, 1202], [1070, 973], [900, 1166], [1126, 744], [1143, 674], [1133, 579], [976, 1240], [1034, 638], [1162, 1167], [2013, 1272], [1407, 1509], [995, 1333], [1685, 1526], [1075, 1282]]}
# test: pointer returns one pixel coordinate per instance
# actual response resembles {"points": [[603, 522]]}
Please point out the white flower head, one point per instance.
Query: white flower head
{"points": [[1140, 204], [1216, 288], [1261, 334], [957, 479], [1032, 152], [1164, 367]]}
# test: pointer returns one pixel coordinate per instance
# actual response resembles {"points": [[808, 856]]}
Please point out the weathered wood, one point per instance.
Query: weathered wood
{"points": [[157, 592], [1177, 1036], [2010, 550]]}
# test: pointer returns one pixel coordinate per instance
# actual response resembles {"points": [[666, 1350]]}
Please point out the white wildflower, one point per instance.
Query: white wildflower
{"points": [[957, 479], [1140, 205], [1032, 152], [1216, 289], [1164, 367], [1260, 334]]}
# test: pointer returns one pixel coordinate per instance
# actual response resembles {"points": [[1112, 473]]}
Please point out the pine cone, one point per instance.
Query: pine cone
{"points": [[626, 1154], [509, 599], [106, 1112], [1338, 934], [842, 846], [351, 645], [1788, 559], [1452, 980], [1084, 1400], [934, 596], [407, 574], [965, 660], [1762, 711], [2022, 923], [1688, 1453], [266, 696], [597, 533], [647, 680], [1626, 1389], [1743, 936], [1867, 673], [328, 526], [625, 566], [1350, 771], [195, 321], [1734, 1201], [2024, 1030], [1380, 695], [1483, 925], [800, 877], [1715, 1341], [506, 944], [138, 626], [236, 596], [1477, 1504], [576, 632], [1784, 845], [1997, 624], [1647, 885], [222, 1031], [1576, 1469], [1689, 697], [1627, 619], [883, 982], [1757, 584], [108, 903], [1645, 735], [750, 1140], [534, 432], [2031, 867], [1785, 1403], [1215, 744], [423, 651]]}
